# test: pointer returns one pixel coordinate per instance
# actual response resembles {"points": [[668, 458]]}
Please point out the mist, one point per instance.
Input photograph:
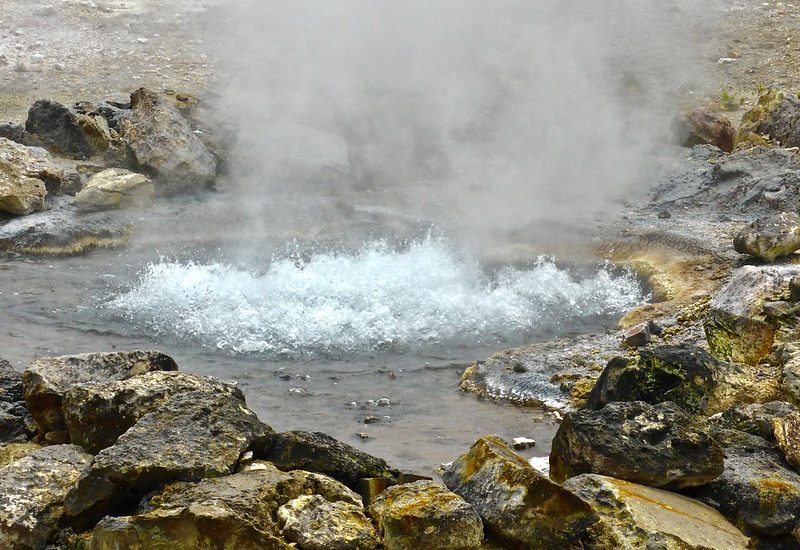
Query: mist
{"points": [[484, 118]]}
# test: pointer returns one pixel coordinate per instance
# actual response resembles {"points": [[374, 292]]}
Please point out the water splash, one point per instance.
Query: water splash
{"points": [[377, 299]]}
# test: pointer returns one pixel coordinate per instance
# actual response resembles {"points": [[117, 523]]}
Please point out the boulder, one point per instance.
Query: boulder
{"points": [[10, 452], [96, 415], [65, 131], [518, 505], [638, 517], [637, 335], [32, 492], [773, 119], [16, 423], [769, 238], [425, 514], [659, 446], [735, 326], [787, 434], [756, 490], [318, 452], [192, 436], [25, 175], [115, 188], [164, 144], [755, 418], [700, 126], [236, 511], [47, 379], [315, 523]]}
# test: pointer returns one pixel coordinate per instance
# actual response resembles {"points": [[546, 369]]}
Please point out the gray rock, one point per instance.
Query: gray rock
{"points": [[425, 514], [518, 505], [756, 418], [192, 436], [32, 492], [163, 143], [16, 423], [65, 131], [96, 415], [47, 379], [314, 523], [637, 517], [659, 446], [318, 452], [115, 188], [769, 238]]}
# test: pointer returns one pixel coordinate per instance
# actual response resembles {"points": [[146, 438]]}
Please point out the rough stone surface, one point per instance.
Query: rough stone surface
{"points": [[425, 514], [16, 424], [190, 437], [65, 131], [787, 434], [755, 418], [637, 336], [773, 119], [96, 415], [32, 492], [317, 452], [700, 126], [769, 238], [22, 173], [9, 452], [315, 523], [115, 188], [518, 505], [47, 379], [656, 445], [736, 328], [163, 143], [638, 517]]}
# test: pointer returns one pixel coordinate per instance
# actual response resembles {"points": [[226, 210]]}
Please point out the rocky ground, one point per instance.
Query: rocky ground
{"points": [[683, 429]]}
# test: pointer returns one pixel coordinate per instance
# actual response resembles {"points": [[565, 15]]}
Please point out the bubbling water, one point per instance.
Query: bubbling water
{"points": [[379, 298]]}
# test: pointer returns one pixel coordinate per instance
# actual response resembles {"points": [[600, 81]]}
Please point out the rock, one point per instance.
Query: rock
{"points": [[15, 133], [16, 423], [10, 452], [317, 452], [794, 289], [32, 492], [190, 437], [787, 434], [96, 415], [756, 418], [659, 446], [47, 379], [315, 523], [518, 505], [769, 238], [637, 336], [115, 188], [18, 162], [756, 489], [236, 511], [700, 126], [637, 517], [773, 119], [426, 515], [735, 327], [163, 143], [65, 131]]}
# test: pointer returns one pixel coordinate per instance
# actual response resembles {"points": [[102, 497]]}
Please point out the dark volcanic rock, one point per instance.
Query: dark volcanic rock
{"points": [[164, 144], [656, 445], [700, 126], [47, 379], [191, 437], [787, 434], [769, 238], [756, 418], [96, 415], [16, 424], [16, 133], [32, 492], [517, 504], [317, 452], [65, 131]]}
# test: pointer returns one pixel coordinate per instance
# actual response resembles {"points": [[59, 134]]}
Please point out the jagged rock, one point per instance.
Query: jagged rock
{"points": [[425, 514], [47, 379], [26, 175], [61, 231], [637, 336], [163, 143], [769, 238], [773, 119], [10, 383], [756, 489], [65, 131], [315, 523], [518, 505], [115, 188], [9, 452], [96, 415], [787, 434], [16, 423], [756, 418], [656, 445], [236, 511], [700, 126], [113, 112], [318, 452], [15, 133], [637, 517], [736, 328], [190, 437], [32, 492]]}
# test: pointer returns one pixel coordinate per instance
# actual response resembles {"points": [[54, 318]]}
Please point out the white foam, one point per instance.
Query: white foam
{"points": [[376, 299]]}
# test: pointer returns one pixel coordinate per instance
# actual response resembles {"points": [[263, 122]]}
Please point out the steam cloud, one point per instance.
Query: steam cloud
{"points": [[482, 115]]}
